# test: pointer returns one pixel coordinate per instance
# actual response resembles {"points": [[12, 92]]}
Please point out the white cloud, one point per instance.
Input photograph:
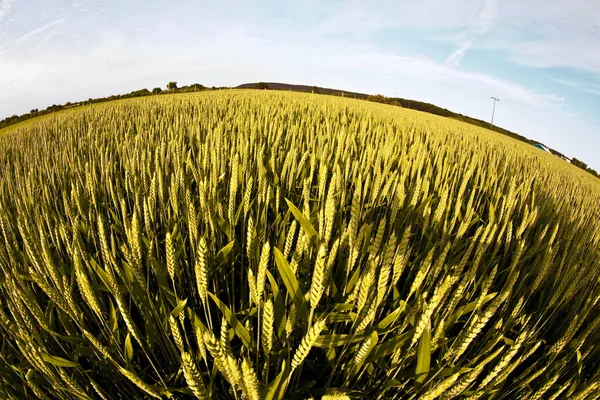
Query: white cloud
{"points": [[427, 71], [480, 27], [5, 7], [37, 31], [570, 51], [547, 33], [456, 57], [13, 45], [80, 5], [584, 87], [362, 17], [486, 17], [535, 33]]}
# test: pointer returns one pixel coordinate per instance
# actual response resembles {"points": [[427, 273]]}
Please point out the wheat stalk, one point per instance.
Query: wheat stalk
{"points": [[192, 376], [307, 343]]}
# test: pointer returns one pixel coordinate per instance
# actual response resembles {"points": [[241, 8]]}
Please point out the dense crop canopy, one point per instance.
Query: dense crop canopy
{"points": [[257, 245]]}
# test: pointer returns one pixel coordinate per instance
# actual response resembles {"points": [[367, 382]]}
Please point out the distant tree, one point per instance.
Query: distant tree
{"points": [[156, 90], [139, 93], [579, 163], [196, 87], [172, 85], [261, 85], [315, 90], [379, 99]]}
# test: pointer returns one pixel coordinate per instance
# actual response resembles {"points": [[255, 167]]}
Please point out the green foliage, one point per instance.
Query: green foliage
{"points": [[579, 164]]}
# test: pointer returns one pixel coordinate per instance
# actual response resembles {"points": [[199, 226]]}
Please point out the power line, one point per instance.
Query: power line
{"points": [[493, 110]]}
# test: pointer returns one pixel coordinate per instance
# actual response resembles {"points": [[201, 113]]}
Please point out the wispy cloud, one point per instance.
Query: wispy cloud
{"points": [[549, 33], [584, 87], [456, 57], [480, 27], [37, 31], [486, 17], [532, 33], [5, 7], [424, 69], [82, 5]]}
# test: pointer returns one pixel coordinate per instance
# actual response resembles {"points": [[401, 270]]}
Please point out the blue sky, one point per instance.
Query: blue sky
{"points": [[541, 58]]}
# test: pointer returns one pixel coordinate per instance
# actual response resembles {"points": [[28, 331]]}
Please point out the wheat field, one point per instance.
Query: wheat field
{"points": [[271, 245]]}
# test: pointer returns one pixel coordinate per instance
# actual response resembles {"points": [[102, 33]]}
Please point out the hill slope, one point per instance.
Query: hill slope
{"points": [[406, 103]]}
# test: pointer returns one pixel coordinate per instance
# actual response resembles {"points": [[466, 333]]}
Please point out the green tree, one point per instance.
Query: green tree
{"points": [[579, 163], [196, 87], [261, 85], [156, 90], [172, 86]]}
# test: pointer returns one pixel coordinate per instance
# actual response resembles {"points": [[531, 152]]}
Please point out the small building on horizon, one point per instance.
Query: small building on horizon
{"points": [[556, 153], [542, 147], [567, 159]]}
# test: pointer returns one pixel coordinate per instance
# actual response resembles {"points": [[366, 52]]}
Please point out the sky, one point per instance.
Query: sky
{"points": [[540, 58]]}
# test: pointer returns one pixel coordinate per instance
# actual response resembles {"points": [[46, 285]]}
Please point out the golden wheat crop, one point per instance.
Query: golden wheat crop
{"points": [[270, 245]]}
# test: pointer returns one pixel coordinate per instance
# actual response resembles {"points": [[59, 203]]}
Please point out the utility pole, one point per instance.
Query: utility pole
{"points": [[493, 110]]}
